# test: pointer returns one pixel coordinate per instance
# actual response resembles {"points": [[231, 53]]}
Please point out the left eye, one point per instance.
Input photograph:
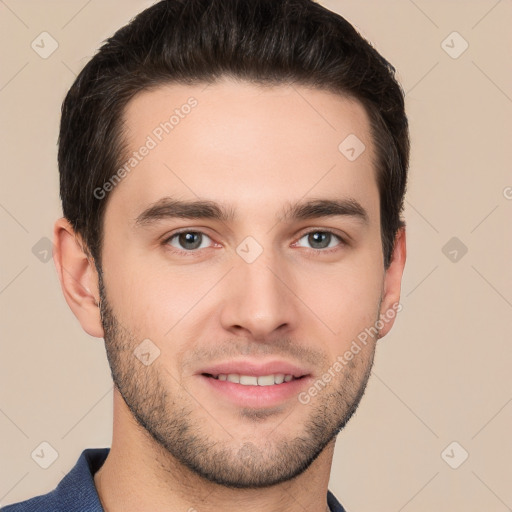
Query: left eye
{"points": [[188, 240], [321, 239]]}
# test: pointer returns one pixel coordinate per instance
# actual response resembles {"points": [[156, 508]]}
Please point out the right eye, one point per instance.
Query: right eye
{"points": [[187, 241]]}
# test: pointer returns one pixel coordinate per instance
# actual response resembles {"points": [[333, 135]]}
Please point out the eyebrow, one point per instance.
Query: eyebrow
{"points": [[169, 208]]}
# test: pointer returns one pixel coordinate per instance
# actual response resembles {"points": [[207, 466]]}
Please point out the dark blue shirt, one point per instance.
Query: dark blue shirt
{"points": [[76, 491]]}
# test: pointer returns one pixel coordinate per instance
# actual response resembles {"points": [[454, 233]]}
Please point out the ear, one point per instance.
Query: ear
{"points": [[390, 305], [78, 277]]}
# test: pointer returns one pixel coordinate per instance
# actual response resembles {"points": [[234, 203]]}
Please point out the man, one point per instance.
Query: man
{"points": [[232, 179]]}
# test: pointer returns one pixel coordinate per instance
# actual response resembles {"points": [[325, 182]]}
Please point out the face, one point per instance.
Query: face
{"points": [[228, 322]]}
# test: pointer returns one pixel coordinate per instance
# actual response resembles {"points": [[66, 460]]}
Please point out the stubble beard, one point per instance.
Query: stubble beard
{"points": [[171, 418]]}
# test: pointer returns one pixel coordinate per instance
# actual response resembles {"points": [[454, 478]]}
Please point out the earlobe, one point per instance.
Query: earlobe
{"points": [[78, 277], [390, 305]]}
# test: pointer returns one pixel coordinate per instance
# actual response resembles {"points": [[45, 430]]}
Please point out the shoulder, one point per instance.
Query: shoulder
{"points": [[43, 503], [334, 504], [76, 491]]}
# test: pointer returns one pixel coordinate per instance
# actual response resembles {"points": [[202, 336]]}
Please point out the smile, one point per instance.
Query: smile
{"points": [[253, 380]]}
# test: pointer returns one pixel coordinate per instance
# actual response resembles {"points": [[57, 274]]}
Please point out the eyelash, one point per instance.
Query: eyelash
{"points": [[196, 252]]}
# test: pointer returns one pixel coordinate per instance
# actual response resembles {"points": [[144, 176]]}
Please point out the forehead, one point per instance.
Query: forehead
{"points": [[244, 145]]}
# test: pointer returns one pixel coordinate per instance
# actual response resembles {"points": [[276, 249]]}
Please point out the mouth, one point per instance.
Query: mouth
{"points": [[254, 384], [274, 379]]}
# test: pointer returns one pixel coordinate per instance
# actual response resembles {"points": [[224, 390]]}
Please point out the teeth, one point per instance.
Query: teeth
{"points": [[279, 378], [266, 380], [251, 380], [248, 380]]}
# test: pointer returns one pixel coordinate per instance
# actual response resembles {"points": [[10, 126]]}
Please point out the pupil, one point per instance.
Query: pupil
{"points": [[318, 237], [188, 238]]}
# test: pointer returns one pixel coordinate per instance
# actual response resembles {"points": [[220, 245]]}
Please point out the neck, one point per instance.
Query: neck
{"points": [[140, 475]]}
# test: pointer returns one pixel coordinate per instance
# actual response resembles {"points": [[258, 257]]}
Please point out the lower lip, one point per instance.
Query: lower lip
{"points": [[256, 396]]}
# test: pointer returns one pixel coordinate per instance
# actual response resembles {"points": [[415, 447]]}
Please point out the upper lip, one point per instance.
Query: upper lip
{"points": [[254, 368]]}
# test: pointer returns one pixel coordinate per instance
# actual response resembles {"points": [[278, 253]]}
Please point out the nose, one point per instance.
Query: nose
{"points": [[259, 299]]}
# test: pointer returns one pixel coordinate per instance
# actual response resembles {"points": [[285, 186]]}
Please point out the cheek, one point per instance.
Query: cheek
{"points": [[156, 301], [139, 294], [345, 299]]}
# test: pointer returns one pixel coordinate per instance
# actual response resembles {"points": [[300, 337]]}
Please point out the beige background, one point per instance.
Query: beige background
{"points": [[442, 375]]}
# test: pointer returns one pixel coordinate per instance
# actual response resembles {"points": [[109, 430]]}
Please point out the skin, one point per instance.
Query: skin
{"points": [[253, 149]]}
